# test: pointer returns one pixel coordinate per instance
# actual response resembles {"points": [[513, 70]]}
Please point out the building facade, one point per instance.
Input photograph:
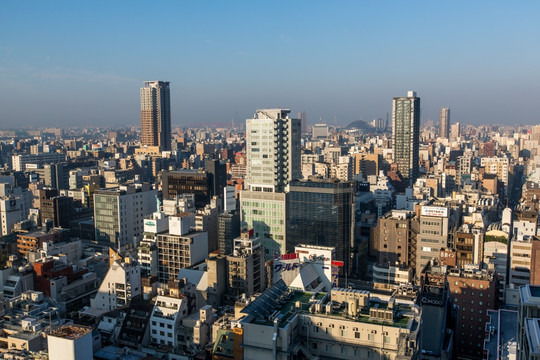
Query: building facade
{"points": [[321, 212], [156, 114], [444, 122], [406, 135], [273, 150], [119, 214]]}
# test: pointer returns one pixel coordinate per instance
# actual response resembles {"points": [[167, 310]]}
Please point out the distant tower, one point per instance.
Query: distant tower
{"points": [[406, 134], [303, 120], [455, 131], [444, 122], [156, 114]]}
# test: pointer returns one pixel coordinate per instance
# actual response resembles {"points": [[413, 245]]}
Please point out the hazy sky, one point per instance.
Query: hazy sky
{"points": [[82, 62]]}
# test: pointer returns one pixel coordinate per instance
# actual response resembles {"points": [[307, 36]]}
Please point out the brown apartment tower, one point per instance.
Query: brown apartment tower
{"points": [[156, 114]]}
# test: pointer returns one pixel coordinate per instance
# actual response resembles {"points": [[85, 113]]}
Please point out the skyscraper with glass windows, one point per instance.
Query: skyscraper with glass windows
{"points": [[406, 135], [321, 212]]}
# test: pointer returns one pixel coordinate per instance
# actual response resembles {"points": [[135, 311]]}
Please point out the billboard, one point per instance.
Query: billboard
{"points": [[434, 211]]}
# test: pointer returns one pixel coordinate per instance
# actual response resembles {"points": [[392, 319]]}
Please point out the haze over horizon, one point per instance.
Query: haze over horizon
{"points": [[75, 64]]}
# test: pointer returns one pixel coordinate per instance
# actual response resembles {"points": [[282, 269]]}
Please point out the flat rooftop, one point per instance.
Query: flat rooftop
{"points": [[287, 309], [71, 332]]}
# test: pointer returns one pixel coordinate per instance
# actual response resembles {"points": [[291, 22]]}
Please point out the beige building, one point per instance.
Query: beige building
{"points": [[341, 324], [156, 114]]}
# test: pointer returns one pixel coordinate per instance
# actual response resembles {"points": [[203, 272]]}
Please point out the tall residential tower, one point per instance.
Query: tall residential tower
{"points": [[273, 150], [156, 114], [406, 135], [273, 161], [444, 122]]}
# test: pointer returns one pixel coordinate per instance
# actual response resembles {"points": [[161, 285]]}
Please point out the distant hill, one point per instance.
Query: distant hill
{"points": [[360, 125]]}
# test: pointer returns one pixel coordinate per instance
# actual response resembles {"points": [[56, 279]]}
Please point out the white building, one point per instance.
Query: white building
{"points": [[15, 206], [121, 284], [147, 251], [166, 316], [273, 150], [19, 162], [119, 214], [70, 342]]}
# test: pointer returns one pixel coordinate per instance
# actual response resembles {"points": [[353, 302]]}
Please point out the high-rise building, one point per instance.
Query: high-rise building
{"points": [[273, 160], [444, 122], [273, 150], [156, 114], [321, 212], [455, 131], [406, 135]]}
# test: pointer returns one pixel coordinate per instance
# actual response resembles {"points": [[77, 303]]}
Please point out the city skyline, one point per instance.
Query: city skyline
{"points": [[341, 63]]}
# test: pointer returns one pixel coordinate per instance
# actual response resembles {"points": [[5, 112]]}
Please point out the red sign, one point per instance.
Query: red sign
{"points": [[337, 263], [289, 256]]}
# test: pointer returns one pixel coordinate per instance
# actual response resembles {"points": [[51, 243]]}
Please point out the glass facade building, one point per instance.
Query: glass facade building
{"points": [[406, 135], [321, 212]]}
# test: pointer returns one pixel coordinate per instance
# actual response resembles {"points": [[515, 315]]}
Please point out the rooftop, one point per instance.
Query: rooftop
{"points": [[284, 304], [72, 332]]}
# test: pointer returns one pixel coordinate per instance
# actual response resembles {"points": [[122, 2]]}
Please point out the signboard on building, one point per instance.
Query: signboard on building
{"points": [[434, 211]]}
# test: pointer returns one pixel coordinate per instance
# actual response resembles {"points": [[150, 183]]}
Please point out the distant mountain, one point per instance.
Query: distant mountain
{"points": [[359, 125]]}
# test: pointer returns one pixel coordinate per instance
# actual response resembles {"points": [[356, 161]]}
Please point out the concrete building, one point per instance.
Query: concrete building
{"points": [[444, 122], [19, 162], [147, 251], [246, 270], [435, 224], [273, 150], [501, 338], [121, 284], [393, 240], [319, 131], [341, 324], [528, 338], [497, 166], [168, 312], [406, 135], [119, 214], [70, 342], [525, 261], [13, 209], [455, 131], [473, 293], [156, 114], [180, 247]]}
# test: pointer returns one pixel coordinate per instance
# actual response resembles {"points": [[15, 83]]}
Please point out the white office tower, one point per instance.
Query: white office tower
{"points": [[273, 160], [273, 150], [70, 342]]}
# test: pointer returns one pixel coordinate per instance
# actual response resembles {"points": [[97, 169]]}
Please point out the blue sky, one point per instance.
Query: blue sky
{"points": [[77, 63]]}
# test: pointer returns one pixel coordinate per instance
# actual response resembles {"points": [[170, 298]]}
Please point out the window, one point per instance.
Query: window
{"points": [[357, 335]]}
